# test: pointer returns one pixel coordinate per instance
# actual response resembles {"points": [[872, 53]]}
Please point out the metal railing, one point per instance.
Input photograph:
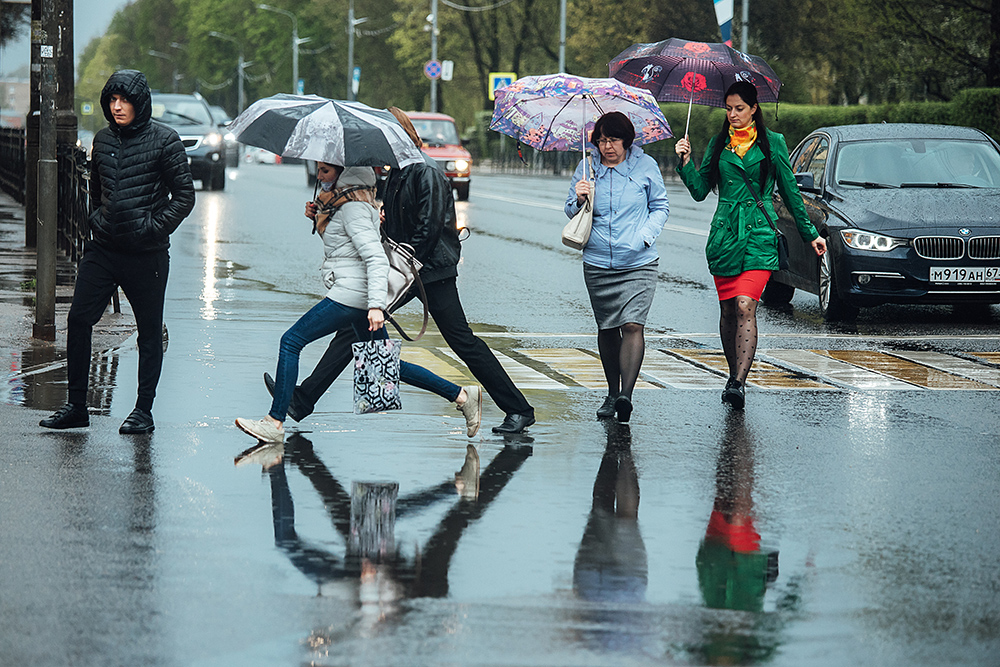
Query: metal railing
{"points": [[12, 168], [74, 200], [74, 183]]}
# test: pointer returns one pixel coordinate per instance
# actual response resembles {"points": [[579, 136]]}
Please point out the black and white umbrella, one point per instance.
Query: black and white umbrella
{"points": [[349, 134]]}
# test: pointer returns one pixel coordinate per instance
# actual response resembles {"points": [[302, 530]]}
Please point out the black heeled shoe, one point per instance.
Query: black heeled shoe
{"points": [[623, 407], [735, 395], [607, 409]]}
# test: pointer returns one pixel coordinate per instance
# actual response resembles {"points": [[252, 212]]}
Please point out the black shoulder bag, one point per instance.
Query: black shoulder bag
{"points": [[782, 241]]}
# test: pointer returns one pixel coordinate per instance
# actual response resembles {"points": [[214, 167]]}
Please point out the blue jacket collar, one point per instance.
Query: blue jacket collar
{"points": [[625, 167]]}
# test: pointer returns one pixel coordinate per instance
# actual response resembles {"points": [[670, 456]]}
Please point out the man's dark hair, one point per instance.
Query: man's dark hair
{"points": [[614, 125]]}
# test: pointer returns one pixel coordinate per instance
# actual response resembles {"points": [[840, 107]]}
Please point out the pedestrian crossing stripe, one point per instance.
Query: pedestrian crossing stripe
{"points": [[704, 368]]}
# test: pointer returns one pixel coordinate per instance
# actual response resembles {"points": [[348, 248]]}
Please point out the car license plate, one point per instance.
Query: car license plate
{"points": [[965, 274]]}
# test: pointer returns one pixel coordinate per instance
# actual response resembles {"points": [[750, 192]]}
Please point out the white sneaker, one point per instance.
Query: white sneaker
{"points": [[262, 429], [467, 479], [472, 409]]}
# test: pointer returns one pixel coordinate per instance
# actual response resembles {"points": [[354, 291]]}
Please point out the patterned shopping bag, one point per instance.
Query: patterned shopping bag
{"points": [[376, 376]]}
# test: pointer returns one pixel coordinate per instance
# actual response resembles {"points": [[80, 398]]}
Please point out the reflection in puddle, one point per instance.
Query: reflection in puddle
{"points": [[36, 378], [377, 571], [209, 291]]}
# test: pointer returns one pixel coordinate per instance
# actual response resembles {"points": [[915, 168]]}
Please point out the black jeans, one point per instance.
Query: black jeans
{"points": [[143, 278], [446, 309]]}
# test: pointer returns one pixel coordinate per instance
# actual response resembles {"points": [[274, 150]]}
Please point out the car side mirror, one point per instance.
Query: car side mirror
{"points": [[806, 182]]}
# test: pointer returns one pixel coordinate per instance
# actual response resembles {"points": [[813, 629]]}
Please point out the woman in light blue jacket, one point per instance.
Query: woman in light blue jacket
{"points": [[620, 260]]}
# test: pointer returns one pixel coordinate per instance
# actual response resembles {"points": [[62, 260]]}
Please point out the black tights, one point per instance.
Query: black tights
{"points": [[621, 351], [738, 330]]}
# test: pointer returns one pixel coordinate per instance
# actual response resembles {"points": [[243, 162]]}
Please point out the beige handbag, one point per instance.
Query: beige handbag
{"points": [[576, 233]]}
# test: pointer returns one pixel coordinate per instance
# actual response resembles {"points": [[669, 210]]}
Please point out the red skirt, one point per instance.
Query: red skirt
{"points": [[749, 283]]}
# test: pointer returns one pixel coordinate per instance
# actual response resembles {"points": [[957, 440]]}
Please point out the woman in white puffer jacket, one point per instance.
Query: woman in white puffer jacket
{"points": [[355, 272]]}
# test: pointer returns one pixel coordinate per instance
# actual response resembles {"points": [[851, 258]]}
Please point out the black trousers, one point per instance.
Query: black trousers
{"points": [[445, 307], [143, 278]]}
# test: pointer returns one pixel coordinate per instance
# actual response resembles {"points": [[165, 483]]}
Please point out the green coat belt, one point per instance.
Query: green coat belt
{"points": [[741, 239]]}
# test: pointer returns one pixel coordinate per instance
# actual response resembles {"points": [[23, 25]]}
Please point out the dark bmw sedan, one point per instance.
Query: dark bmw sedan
{"points": [[911, 214]]}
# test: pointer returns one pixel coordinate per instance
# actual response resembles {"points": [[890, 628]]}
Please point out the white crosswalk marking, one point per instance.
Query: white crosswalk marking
{"points": [[705, 369], [839, 372]]}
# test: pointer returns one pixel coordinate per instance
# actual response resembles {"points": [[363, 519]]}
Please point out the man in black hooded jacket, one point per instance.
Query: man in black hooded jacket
{"points": [[140, 191]]}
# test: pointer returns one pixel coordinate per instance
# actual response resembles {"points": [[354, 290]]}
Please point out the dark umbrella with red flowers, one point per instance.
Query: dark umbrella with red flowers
{"points": [[676, 70]]}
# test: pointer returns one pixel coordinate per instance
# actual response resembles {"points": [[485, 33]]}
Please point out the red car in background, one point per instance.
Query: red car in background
{"points": [[441, 142]]}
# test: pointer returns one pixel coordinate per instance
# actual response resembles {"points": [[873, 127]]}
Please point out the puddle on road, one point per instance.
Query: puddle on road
{"points": [[36, 378]]}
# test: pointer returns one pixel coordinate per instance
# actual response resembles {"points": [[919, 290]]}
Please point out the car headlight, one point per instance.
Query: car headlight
{"points": [[213, 139], [462, 165], [449, 165], [859, 240]]}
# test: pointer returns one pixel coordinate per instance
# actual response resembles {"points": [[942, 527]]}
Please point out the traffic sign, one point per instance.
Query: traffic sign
{"points": [[356, 80], [86, 109], [500, 79], [432, 69], [447, 69]]}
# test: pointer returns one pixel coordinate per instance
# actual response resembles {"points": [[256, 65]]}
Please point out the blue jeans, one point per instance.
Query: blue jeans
{"points": [[323, 319]]}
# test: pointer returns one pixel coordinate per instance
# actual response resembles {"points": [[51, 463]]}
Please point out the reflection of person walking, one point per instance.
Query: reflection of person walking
{"points": [[140, 190], [419, 210], [742, 247], [620, 259]]}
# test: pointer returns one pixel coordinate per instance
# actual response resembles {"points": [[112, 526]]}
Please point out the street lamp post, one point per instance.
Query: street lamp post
{"points": [[295, 42], [434, 53], [240, 66], [170, 59], [352, 23]]}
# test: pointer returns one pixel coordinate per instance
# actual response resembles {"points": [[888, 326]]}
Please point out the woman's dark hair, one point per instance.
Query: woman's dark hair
{"points": [[614, 125], [748, 93]]}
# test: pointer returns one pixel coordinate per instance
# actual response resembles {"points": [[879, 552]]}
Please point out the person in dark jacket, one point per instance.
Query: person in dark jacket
{"points": [[419, 209], [140, 191]]}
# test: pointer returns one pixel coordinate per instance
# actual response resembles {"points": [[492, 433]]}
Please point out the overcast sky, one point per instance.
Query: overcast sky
{"points": [[90, 19]]}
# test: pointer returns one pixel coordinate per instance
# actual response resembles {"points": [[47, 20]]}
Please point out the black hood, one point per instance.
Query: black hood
{"points": [[130, 84]]}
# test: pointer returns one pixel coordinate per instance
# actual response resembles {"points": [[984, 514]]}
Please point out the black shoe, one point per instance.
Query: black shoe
{"points": [[140, 421], [296, 410], [735, 395], [514, 424], [623, 406], [607, 409], [68, 416], [729, 385]]}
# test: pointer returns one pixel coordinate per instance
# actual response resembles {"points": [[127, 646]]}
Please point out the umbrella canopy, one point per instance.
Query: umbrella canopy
{"points": [[557, 112], [676, 70], [349, 134]]}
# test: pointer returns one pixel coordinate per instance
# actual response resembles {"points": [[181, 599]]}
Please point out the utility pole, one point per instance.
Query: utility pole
{"points": [[745, 28], [562, 36], [352, 23], [47, 203], [434, 53]]}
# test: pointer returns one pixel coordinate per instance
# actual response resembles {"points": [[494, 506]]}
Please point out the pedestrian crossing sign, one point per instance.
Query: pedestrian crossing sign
{"points": [[500, 79]]}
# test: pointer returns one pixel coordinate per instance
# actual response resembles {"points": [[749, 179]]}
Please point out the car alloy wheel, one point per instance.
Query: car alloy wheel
{"points": [[831, 305]]}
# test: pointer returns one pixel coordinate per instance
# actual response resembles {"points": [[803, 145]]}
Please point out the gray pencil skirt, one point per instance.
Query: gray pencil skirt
{"points": [[620, 296]]}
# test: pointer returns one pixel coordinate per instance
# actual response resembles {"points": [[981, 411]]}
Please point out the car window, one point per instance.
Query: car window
{"points": [[436, 132], [181, 112], [918, 163], [817, 164], [801, 159]]}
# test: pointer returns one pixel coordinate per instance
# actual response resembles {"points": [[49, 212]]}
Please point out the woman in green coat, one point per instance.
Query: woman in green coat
{"points": [[742, 247]]}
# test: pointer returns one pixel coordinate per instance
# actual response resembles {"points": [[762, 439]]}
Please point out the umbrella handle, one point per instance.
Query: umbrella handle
{"points": [[690, 102]]}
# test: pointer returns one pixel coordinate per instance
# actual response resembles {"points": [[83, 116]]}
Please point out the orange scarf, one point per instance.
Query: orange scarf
{"points": [[742, 140]]}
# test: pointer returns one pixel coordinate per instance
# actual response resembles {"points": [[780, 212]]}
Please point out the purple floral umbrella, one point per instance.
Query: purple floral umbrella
{"points": [[557, 112]]}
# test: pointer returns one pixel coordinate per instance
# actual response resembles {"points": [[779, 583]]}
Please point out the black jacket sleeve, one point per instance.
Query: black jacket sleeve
{"points": [[177, 177]]}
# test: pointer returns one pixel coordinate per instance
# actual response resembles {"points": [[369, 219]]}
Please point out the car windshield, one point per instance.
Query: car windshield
{"points": [[181, 112], [918, 163], [436, 132]]}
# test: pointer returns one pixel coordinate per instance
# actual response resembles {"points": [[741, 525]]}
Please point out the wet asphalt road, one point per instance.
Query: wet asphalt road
{"points": [[588, 544]]}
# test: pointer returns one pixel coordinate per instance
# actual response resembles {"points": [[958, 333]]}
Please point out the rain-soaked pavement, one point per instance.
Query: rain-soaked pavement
{"points": [[828, 525]]}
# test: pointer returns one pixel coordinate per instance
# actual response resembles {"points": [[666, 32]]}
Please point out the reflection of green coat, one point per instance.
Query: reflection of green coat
{"points": [[741, 238]]}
